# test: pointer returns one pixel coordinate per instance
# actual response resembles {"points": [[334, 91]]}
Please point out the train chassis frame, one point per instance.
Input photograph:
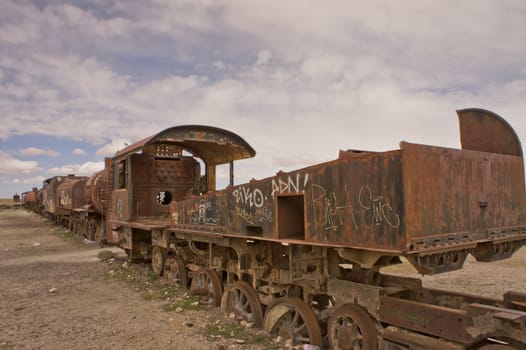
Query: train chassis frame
{"points": [[311, 294]]}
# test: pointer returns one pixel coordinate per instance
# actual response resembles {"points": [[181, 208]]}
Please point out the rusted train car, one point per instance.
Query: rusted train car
{"points": [[88, 214], [79, 203], [300, 253], [32, 200], [70, 194], [58, 195]]}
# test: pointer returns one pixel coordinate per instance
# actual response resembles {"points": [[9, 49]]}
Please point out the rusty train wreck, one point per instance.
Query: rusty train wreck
{"points": [[299, 253]]}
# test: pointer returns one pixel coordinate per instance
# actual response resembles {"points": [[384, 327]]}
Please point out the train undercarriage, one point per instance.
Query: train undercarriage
{"points": [[315, 295]]}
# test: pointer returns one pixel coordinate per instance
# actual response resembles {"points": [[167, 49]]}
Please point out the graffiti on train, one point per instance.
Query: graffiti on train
{"points": [[376, 210], [332, 211]]}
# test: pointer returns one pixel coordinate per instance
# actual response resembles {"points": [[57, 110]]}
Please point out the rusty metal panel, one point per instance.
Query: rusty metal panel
{"points": [[459, 195], [345, 202], [49, 189], [426, 318], [357, 202], [155, 183], [485, 131], [412, 340], [120, 205], [211, 211], [50, 192], [515, 300], [29, 198], [71, 195], [33, 199]]}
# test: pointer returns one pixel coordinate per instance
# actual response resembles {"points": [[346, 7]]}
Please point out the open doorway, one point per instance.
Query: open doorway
{"points": [[291, 216]]}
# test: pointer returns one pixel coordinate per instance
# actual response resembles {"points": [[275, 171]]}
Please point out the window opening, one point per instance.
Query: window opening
{"points": [[164, 197]]}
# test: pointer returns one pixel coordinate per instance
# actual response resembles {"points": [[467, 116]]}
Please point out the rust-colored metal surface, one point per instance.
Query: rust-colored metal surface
{"points": [[213, 145], [427, 318], [32, 200], [154, 172], [452, 193], [29, 198], [120, 205], [50, 192], [154, 183], [466, 319], [485, 131], [431, 204], [341, 203], [71, 194], [98, 190]]}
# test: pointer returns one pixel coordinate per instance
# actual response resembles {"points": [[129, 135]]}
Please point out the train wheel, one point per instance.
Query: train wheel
{"points": [[350, 327], [206, 284], [158, 258], [241, 299], [175, 272], [293, 319]]}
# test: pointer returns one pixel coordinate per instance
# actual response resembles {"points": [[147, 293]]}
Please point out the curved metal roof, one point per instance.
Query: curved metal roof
{"points": [[213, 145]]}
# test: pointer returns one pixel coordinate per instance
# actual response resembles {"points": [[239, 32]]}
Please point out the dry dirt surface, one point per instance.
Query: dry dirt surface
{"points": [[55, 293], [490, 280]]}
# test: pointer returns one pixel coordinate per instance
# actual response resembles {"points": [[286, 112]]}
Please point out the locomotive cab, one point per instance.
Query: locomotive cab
{"points": [[165, 168]]}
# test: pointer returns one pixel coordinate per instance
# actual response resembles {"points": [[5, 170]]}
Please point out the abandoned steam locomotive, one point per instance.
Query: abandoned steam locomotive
{"points": [[299, 253]]}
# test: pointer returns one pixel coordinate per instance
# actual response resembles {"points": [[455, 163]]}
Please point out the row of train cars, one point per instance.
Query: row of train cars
{"points": [[300, 253]]}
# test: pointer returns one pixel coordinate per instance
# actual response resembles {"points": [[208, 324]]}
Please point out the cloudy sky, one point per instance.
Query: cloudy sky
{"points": [[297, 79]]}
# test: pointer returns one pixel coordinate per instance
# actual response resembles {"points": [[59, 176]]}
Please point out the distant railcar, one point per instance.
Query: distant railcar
{"points": [[32, 200], [52, 202], [70, 196]]}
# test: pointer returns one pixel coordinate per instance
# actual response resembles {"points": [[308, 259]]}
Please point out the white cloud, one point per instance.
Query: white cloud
{"points": [[109, 149], [33, 181], [11, 165], [89, 168], [86, 169], [264, 57], [79, 152], [34, 151]]}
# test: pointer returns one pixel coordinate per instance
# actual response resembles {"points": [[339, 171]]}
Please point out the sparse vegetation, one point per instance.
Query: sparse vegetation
{"points": [[66, 235], [234, 330], [141, 279], [6, 203], [105, 255]]}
